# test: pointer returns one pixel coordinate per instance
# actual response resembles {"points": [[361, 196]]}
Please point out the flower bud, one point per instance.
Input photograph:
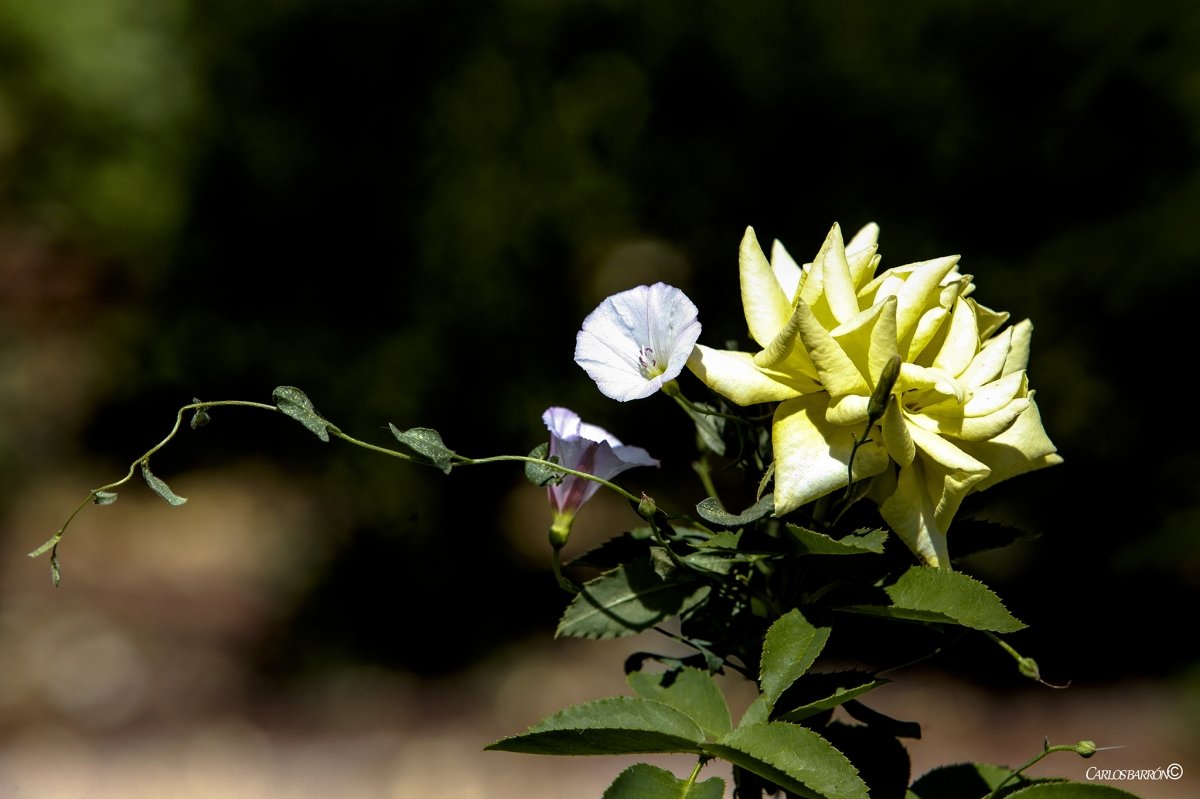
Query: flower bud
{"points": [[883, 389], [560, 531], [647, 508], [1086, 748], [671, 388], [1029, 668]]}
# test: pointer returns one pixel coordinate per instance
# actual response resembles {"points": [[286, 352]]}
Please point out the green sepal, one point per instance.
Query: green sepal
{"points": [[161, 488], [104, 497], [427, 443], [540, 474], [689, 690], [857, 543], [928, 594], [816, 693], [794, 758], [710, 510], [628, 600], [791, 646], [644, 781], [620, 725], [296, 404], [200, 417]]}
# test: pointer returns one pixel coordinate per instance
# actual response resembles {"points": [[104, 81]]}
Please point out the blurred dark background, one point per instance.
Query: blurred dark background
{"points": [[406, 209]]}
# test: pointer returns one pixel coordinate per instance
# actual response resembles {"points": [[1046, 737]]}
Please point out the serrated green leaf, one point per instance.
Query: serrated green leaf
{"points": [[963, 780], [925, 593], [644, 781], [791, 646], [617, 550], [689, 690], [857, 543], [815, 693], [794, 758], [661, 561], [725, 539], [881, 721], [105, 497], [881, 760], [627, 601], [200, 417], [427, 443], [296, 404], [973, 536], [161, 488], [710, 510], [757, 713], [1070, 790], [539, 474], [621, 725]]}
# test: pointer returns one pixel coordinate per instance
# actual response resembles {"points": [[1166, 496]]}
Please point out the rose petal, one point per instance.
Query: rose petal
{"points": [[767, 309], [733, 375]]}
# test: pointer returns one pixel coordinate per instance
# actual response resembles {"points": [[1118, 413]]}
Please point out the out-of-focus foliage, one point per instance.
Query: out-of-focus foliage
{"points": [[407, 207]]}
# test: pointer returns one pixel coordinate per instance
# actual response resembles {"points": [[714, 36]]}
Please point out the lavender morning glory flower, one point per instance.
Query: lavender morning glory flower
{"points": [[584, 448], [637, 340]]}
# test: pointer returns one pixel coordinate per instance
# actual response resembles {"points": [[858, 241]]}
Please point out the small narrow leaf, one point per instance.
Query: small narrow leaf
{"points": [[689, 690], [55, 573], [621, 725], [200, 417], [428, 443], [161, 488], [709, 429], [973, 536], [104, 497], [816, 693], [794, 758], [46, 547], [627, 601], [710, 509], [925, 593], [293, 402], [644, 781], [856, 543], [539, 474], [791, 646]]}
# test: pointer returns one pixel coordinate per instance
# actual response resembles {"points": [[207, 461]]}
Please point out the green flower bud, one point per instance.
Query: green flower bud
{"points": [[671, 389], [560, 531], [1086, 748], [1029, 668], [647, 508], [883, 389]]}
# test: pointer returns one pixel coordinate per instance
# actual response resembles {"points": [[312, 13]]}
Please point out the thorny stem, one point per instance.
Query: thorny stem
{"points": [[691, 780]]}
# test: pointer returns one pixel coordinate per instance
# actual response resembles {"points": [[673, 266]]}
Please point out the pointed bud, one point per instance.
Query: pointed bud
{"points": [[1029, 668], [1086, 748], [883, 389], [647, 508]]}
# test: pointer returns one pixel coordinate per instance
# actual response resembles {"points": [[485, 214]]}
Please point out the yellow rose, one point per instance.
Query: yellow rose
{"points": [[960, 418]]}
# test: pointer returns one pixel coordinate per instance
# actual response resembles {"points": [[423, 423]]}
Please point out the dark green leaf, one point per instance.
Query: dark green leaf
{"points": [[1070, 790], [794, 758], [635, 661], [689, 690], [791, 646], [725, 539], [815, 693], [617, 550], [709, 429], [856, 543], [965, 781], [161, 488], [644, 781], [925, 593], [621, 725], [660, 559], [428, 443], [710, 562], [757, 713], [627, 601], [881, 760], [200, 417], [539, 474], [972, 536], [710, 510], [293, 402], [105, 497], [880, 721]]}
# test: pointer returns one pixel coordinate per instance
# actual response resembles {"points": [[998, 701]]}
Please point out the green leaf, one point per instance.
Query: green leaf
{"points": [[880, 721], [1070, 790], [815, 693], [689, 690], [46, 547], [200, 417], [644, 781], [881, 760], [973, 536], [621, 725], [710, 509], [710, 429], [660, 559], [856, 543], [757, 713], [428, 443], [105, 497], [794, 758], [627, 601], [965, 781], [925, 593], [293, 402], [791, 646], [540, 474], [617, 550], [161, 488], [725, 539]]}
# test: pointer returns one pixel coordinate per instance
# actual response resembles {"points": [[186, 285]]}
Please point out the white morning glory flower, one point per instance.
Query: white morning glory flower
{"points": [[584, 448], [637, 340]]}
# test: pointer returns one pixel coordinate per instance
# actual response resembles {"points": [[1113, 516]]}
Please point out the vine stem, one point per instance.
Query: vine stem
{"points": [[691, 780], [1047, 750]]}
